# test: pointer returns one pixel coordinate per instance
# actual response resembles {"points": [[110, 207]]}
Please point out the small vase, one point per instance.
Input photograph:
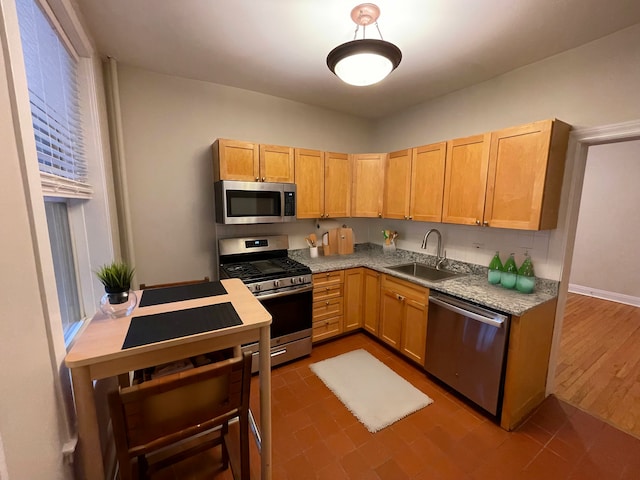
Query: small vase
{"points": [[118, 304], [495, 269], [509, 273]]}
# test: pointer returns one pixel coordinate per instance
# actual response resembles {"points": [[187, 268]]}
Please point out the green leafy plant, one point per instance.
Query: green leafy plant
{"points": [[116, 277]]}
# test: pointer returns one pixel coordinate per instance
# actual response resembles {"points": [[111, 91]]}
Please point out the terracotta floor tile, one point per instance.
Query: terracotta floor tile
{"points": [[299, 468], [319, 455], [339, 444], [357, 433], [549, 466], [390, 470]]}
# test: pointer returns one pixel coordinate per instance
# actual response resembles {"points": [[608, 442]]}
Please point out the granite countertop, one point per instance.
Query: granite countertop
{"points": [[472, 285]]}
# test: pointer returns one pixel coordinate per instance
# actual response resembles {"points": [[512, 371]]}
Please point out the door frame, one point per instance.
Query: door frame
{"points": [[579, 142]]}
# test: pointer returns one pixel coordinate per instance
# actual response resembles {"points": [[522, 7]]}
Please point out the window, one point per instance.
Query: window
{"points": [[52, 78]]}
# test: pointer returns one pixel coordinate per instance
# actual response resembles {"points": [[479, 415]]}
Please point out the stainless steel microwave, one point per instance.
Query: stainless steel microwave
{"points": [[254, 202]]}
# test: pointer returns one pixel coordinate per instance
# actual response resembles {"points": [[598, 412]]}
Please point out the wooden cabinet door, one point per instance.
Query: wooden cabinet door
{"points": [[427, 182], [337, 185], [397, 184], [309, 175], [414, 331], [367, 184], [371, 301], [276, 164], [391, 315], [235, 160], [353, 299], [466, 180], [525, 176]]}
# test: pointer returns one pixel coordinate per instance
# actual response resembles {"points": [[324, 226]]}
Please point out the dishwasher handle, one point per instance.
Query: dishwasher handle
{"points": [[481, 315]]}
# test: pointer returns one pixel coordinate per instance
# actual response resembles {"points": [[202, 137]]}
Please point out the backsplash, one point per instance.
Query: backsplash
{"points": [[462, 243]]}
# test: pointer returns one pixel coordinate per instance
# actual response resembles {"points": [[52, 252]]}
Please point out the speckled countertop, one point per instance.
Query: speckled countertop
{"points": [[472, 286]]}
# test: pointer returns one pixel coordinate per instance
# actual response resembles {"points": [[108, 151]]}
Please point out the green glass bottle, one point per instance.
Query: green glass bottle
{"points": [[495, 269], [509, 273], [526, 281]]}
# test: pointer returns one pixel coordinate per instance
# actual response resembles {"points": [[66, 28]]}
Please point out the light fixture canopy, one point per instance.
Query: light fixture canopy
{"points": [[366, 61]]}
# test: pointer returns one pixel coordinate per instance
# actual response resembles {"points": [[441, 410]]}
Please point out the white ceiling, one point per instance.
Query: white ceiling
{"points": [[279, 47]]}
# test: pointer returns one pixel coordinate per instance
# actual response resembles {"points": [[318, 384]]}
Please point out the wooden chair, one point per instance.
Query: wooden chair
{"points": [[174, 284], [173, 409]]}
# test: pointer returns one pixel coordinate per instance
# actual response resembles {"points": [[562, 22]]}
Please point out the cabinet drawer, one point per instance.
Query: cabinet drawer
{"points": [[327, 308], [406, 289], [328, 328], [327, 291], [322, 279]]}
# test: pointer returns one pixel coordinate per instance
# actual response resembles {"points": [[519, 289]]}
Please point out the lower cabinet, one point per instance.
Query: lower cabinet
{"points": [[403, 317], [371, 300], [327, 305], [353, 299]]}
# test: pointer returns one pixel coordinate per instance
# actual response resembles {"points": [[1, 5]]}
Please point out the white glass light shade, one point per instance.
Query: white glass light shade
{"points": [[363, 69], [364, 62]]}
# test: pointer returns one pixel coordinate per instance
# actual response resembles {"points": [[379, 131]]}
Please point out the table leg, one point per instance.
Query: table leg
{"points": [[88, 436], [265, 401]]}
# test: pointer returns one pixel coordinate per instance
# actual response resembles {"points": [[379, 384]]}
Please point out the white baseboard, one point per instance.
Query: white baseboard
{"points": [[605, 295]]}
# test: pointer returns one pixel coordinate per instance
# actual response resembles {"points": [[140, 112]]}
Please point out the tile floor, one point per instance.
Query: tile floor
{"points": [[316, 437]]}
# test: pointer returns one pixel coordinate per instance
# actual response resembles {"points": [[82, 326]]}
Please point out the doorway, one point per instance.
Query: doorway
{"points": [[594, 362]]}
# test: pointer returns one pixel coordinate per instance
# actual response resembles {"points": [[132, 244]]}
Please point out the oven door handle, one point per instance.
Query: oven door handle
{"points": [[285, 293]]}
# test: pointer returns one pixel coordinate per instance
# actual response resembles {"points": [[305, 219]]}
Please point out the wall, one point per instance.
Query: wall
{"points": [[605, 255], [31, 416], [169, 125], [595, 84]]}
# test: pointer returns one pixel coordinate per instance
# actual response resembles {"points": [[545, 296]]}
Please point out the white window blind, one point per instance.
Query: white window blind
{"points": [[53, 94]]}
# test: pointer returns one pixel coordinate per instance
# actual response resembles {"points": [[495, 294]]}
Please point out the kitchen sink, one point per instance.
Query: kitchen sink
{"points": [[425, 272]]}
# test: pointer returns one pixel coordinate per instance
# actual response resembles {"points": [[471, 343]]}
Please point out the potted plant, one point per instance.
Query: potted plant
{"points": [[116, 277]]}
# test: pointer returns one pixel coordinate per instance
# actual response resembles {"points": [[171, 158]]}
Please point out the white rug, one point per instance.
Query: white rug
{"points": [[375, 394]]}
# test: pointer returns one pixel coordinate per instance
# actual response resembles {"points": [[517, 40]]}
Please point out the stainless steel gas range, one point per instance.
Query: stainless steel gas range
{"points": [[282, 285]]}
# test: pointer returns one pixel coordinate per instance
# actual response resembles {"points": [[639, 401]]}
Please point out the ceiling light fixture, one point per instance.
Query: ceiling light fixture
{"points": [[366, 61]]}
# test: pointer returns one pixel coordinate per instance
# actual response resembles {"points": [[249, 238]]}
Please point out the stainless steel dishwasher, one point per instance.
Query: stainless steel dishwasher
{"points": [[466, 349]]}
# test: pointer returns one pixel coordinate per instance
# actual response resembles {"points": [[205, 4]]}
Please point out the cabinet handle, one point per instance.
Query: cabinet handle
{"points": [[400, 297], [379, 215], [477, 222], [257, 179], [263, 179], [485, 223], [327, 302], [410, 217]]}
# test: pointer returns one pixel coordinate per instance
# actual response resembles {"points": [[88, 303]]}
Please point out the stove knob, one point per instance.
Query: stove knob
{"points": [[276, 283], [293, 280], [301, 280], [257, 288]]}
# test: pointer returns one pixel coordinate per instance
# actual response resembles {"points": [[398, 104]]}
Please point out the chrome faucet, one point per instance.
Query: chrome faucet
{"points": [[440, 259]]}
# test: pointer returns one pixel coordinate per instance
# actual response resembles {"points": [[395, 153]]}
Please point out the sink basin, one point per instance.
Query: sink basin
{"points": [[424, 272]]}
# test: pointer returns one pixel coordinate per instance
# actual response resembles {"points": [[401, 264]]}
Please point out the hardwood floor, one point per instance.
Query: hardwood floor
{"points": [[316, 437], [599, 361]]}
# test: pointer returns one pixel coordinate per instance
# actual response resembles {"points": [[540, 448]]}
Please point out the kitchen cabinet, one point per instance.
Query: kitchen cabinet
{"points": [[403, 317], [465, 180], [252, 162], [371, 301], [427, 182], [327, 305], [414, 183], [397, 184], [525, 382], [367, 184], [353, 299], [323, 184], [509, 178], [526, 166]]}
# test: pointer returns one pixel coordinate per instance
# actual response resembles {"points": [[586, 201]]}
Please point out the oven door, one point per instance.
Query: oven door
{"points": [[291, 326]]}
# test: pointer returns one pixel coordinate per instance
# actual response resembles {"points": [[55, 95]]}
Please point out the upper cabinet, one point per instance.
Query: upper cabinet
{"points": [[367, 184], [323, 184], [465, 179], [414, 183], [526, 166], [397, 184], [509, 178], [251, 162]]}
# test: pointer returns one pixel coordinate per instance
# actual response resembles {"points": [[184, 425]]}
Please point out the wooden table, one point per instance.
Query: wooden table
{"points": [[97, 353]]}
